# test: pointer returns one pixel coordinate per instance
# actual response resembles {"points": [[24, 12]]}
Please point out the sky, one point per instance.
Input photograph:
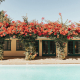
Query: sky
{"points": [[36, 9]]}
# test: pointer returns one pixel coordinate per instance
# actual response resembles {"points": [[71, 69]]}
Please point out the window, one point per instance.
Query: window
{"points": [[19, 45], [70, 47], [7, 45], [37, 45]]}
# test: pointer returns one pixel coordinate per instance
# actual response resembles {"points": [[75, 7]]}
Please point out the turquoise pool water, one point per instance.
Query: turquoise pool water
{"points": [[40, 72]]}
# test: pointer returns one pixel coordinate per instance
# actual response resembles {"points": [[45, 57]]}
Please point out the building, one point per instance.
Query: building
{"points": [[45, 47]]}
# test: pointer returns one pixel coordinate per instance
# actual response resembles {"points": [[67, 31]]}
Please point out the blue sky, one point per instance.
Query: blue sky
{"points": [[36, 9]]}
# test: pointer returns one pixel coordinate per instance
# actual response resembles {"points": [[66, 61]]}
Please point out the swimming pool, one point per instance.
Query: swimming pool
{"points": [[40, 72]]}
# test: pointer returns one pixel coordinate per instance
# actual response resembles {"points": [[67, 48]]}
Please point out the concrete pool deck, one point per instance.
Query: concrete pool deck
{"points": [[39, 60]]}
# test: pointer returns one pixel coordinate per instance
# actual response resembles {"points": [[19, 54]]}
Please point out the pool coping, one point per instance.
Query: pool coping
{"points": [[22, 61]]}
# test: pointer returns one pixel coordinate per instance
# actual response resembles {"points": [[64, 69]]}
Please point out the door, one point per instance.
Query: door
{"points": [[74, 48], [48, 48]]}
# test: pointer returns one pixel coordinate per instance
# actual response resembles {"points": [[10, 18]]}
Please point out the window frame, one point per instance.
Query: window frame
{"points": [[7, 45], [73, 49], [19, 46], [24, 49], [48, 48]]}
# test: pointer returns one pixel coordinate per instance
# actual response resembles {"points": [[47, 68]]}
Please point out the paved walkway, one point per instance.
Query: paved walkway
{"points": [[39, 60]]}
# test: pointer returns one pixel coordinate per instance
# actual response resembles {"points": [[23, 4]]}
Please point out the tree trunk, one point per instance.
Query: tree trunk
{"points": [[60, 52], [1, 51], [30, 51]]}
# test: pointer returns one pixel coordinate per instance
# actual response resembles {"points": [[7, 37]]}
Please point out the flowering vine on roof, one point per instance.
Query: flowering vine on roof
{"points": [[58, 31]]}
